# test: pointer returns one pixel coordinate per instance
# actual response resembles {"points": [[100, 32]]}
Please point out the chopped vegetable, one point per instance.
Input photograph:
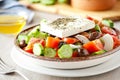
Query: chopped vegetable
{"points": [[75, 53], [34, 32], [116, 41], [75, 46], [37, 34], [108, 42], [38, 49], [82, 38], [108, 23], [99, 52], [49, 52], [85, 52], [52, 42], [70, 40], [42, 42], [29, 47], [65, 51], [23, 37], [97, 28], [108, 30], [93, 46], [90, 18]]}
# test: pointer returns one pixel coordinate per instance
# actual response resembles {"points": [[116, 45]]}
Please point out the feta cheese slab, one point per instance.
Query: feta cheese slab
{"points": [[64, 27]]}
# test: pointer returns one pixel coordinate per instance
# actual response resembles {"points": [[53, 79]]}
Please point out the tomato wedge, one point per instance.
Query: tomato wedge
{"points": [[108, 30], [28, 49], [70, 40], [93, 46], [75, 53], [42, 42], [116, 41], [52, 42]]}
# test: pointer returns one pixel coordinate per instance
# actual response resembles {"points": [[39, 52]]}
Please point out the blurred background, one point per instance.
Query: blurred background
{"points": [[18, 13]]}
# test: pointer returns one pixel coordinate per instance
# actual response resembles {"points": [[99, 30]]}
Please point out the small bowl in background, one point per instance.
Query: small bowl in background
{"points": [[93, 5], [11, 23]]}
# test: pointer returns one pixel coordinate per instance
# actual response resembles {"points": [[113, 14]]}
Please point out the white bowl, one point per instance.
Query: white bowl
{"points": [[72, 63]]}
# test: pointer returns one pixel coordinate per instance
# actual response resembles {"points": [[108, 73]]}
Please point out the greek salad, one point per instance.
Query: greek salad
{"points": [[100, 38]]}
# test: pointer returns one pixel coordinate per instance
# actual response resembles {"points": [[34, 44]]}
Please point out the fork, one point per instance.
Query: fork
{"points": [[6, 69]]}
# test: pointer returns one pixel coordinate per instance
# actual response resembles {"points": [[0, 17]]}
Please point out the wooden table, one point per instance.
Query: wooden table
{"points": [[7, 43]]}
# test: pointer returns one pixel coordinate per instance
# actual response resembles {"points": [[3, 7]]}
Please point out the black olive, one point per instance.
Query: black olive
{"points": [[61, 43], [94, 35], [22, 44]]}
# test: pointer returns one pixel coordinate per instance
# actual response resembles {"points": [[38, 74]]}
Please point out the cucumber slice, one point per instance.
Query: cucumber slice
{"points": [[42, 35], [23, 37], [34, 32], [65, 51], [49, 52], [108, 23], [38, 49], [99, 52], [97, 28]]}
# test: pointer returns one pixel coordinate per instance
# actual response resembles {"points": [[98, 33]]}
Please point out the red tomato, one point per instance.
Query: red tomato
{"points": [[93, 46], [52, 42], [29, 47], [29, 50], [90, 18], [75, 53], [34, 40], [116, 41], [108, 30], [70, 40], [42, 42]]}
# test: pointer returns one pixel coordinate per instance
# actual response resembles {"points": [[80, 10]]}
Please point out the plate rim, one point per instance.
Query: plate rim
{"points": [[62, 75]]}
